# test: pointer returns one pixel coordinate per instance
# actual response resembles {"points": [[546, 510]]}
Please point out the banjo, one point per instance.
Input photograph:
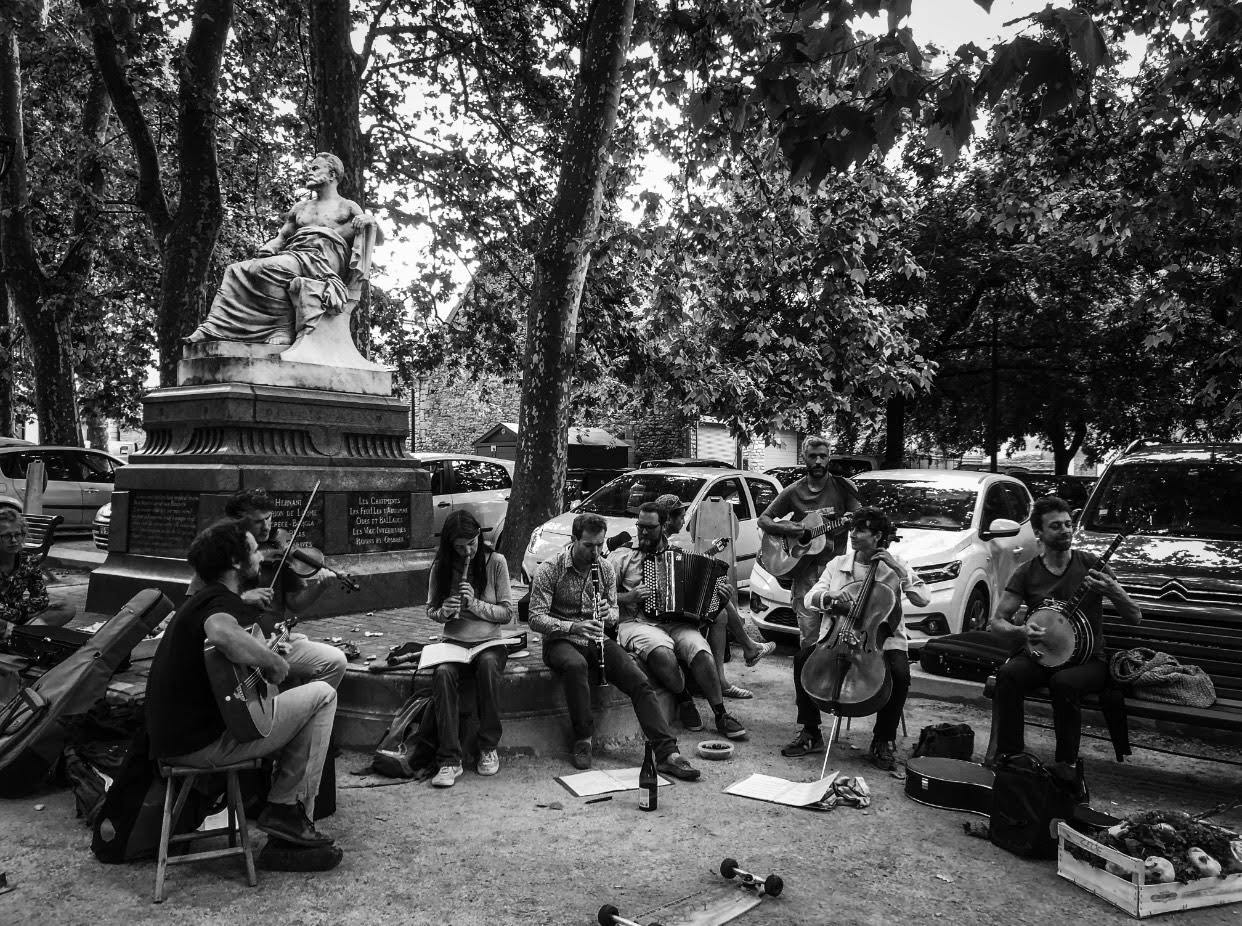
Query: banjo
{"points": [[1068, 636]]}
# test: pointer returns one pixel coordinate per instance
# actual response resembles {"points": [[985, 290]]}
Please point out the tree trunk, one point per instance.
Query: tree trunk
{"points": [[561, 264], [196, 226], [6, 361], [895, 432], [43, 314]]}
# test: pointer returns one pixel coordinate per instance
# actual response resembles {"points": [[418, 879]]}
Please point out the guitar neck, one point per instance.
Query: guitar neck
{"points": [[826, 527]]}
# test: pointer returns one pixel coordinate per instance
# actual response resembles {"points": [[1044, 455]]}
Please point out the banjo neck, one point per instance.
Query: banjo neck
{"points": [[1080, 594]]}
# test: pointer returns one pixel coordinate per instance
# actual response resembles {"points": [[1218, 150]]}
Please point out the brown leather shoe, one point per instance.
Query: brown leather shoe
{"points": [[289, 822]]}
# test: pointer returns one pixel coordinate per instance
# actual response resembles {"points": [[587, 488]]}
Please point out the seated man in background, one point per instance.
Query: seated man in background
{"points": [[661, 644], [24, 598]]}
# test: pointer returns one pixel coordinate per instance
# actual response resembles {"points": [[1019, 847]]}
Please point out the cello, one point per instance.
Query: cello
{"points": [[846, 675]]}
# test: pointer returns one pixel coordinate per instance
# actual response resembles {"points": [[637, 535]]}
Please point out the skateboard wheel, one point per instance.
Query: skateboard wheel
{"points": [[606, 913], [728, 868], [773, 885]]}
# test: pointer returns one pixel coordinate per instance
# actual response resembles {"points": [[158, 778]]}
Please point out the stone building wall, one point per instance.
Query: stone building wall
{"points": [[448, 415]]}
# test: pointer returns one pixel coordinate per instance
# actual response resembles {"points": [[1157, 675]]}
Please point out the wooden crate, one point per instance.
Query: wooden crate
{"points": [[1136, 898]]}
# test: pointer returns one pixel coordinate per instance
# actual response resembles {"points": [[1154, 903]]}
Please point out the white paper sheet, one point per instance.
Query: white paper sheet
{"points": [[780, 791], [605, 781]]}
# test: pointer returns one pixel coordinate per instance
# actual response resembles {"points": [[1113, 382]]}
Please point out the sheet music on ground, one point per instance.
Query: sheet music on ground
{"points": [[604, 781], [779, 791]]}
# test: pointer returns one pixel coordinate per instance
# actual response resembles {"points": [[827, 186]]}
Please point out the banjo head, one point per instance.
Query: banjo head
{"points": [[1068, 639]]}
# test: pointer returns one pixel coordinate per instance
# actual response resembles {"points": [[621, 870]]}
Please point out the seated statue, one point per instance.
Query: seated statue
{"points": [[314, 267]]}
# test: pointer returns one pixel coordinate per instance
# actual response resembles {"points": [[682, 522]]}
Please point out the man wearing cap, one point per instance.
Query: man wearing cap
{"points": [[727, 620]]}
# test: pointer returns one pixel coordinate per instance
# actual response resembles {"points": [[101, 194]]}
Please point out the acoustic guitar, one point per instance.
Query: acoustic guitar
{"points": [[1068, 639], [780, 555], [247, 700]]}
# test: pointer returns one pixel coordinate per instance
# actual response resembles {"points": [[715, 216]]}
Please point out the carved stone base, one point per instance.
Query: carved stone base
{"points": [[371, 517], [322, 360]]}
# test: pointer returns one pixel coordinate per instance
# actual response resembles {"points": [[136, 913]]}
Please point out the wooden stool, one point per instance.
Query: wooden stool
{"points": [[181, 779]]}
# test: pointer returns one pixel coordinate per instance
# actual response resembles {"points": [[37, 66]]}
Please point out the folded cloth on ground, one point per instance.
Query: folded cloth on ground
{"points": [[1156, 676], [847, 792]]}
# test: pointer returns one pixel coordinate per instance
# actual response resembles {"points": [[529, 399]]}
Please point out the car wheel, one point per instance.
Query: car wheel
{"points": [[975, 616]]}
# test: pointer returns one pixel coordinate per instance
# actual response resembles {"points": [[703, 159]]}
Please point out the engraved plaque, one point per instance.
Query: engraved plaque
{"points": [[287, 508], [162, 523], [378, 521]]}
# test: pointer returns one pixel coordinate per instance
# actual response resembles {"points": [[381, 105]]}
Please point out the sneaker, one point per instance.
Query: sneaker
{"points": [[728, 725], [290, 823], [767, 649], [689, 716], [883, 756], [447, 775], [582, 754], [808, 740], [675, 766], [489, 762]]}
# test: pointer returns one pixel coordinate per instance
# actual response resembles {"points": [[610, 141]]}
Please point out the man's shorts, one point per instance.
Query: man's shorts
{"points": [[641, 638]]}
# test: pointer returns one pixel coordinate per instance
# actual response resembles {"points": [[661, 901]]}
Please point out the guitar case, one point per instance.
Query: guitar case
{"points": [[32, 724], [972, 656], [951, 784]]}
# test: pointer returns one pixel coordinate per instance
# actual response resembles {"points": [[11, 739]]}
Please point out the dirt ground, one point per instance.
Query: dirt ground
{"points": [[520, 849]]}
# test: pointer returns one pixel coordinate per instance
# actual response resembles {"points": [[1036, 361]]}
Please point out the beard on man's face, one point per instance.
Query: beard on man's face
{"points": [[1060, 542], [649, 541]]}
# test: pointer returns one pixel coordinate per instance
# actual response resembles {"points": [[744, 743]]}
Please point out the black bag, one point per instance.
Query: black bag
{"points": [[972, 656], [127, 826], [1026, 799], [406, 748], [946, 741], [523, 609]]}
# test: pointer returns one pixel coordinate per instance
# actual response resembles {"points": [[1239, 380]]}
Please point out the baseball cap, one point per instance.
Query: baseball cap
{"points": [[670, 503]]}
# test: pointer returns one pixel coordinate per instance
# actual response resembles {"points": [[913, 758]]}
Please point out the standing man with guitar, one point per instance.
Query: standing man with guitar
{"points": [[183, 716], [825, 496], [1055, 574]]}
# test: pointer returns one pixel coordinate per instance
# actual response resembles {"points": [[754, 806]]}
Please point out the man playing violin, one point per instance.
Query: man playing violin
{"points": [[833, 594], [1056, 573], [308, 660], [662, 646]]}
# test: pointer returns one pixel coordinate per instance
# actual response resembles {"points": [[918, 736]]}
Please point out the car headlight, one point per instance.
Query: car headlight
{"points": [[534, 539], [940, 572]]}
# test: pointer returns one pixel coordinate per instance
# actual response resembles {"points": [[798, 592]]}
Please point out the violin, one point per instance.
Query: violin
{"points": [[303, 562], [846, 675]]}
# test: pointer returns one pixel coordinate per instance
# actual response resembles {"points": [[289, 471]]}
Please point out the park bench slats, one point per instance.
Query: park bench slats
{"points": [[40, 534]]}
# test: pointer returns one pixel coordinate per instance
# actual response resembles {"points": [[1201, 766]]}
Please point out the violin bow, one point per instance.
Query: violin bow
{"points": [[294, 536]]}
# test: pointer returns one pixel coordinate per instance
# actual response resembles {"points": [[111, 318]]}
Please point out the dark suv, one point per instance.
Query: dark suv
{"points": [[1182, 504]]}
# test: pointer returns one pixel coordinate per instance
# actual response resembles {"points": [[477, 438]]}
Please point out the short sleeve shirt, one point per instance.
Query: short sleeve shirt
{"points": [[798, 499], [1034, 584], [23, 594]]}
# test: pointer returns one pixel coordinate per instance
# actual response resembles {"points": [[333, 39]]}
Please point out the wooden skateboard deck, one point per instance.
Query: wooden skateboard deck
{"points": [[714, 519], [721, 903]]}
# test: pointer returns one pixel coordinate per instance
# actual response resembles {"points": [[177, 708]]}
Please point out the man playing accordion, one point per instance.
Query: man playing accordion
{"points": [[661, 644]]}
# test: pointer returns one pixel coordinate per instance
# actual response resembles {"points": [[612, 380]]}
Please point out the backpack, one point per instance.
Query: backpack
{"points": [[127, 824], [409, 745], [1026, 800], [946, 741]]}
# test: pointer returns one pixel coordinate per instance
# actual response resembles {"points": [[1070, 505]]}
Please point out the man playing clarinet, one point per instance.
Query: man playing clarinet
{"points": [[572, 597]]}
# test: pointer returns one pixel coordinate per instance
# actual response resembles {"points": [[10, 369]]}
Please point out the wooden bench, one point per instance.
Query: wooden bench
{"points": [[1212, 642], [40, 534]]}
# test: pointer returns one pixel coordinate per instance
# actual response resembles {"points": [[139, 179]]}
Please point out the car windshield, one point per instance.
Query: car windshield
{"points": [[1174, 500], [624, 494], [920, 503]]}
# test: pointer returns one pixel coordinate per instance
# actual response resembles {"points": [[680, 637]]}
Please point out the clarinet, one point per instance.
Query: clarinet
{"points": [[596, 585]]}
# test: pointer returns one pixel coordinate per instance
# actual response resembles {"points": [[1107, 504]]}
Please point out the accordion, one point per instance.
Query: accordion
{"points": [[682, 586]]}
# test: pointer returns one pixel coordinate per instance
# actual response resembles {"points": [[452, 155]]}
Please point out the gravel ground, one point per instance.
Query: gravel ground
{"points": [[520, 849]]}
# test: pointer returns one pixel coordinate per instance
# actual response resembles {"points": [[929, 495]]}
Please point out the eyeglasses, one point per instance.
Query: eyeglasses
{"points": [[21, 535]]}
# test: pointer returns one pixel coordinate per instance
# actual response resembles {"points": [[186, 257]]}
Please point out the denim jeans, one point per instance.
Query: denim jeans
{"points": [[1066, 688], [485, 671]]}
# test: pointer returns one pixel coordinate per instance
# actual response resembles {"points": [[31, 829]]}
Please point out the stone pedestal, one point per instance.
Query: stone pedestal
{"points": [[314, 362], [371, 516]]}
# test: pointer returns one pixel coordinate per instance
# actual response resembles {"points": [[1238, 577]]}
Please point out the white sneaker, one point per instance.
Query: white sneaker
{"points": [[489, 762], [446, 776]]}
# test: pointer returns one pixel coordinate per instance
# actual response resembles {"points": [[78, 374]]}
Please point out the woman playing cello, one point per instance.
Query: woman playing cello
{"points": [[834, 593]]}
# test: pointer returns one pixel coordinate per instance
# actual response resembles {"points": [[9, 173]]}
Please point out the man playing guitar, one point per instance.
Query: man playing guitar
{"points": [[1055, 574], [183, 718], [661, 646], [819, 491]]}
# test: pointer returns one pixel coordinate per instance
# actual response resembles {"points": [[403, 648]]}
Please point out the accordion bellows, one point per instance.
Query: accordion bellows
{"points": [[682, 586]]}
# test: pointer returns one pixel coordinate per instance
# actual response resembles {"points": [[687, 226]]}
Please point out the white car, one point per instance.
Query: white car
{"points": [[617, 502], [964, 532], [480, 485]]}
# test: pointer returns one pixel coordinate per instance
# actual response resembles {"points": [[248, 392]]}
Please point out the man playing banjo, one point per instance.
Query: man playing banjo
{"points": [[1055, 574]]}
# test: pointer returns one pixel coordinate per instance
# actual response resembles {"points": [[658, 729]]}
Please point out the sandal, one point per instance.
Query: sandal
{"points": [[765, 649], [738, 692]]}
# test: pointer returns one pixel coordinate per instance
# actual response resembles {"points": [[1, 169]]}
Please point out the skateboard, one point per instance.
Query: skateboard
{"points": [[719, 904]]}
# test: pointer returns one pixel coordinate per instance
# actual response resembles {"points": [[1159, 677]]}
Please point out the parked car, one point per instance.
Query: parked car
{"points": [[847, 466], [1181, 504], [581, 481], [964, 532], [618, 501], [1073, 489], [101, 526], [684, 461], [78, 480], [460, 481]]}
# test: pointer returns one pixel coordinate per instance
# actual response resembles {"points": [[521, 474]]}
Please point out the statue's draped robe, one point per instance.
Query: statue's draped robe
{"points": [[257, 297]]}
